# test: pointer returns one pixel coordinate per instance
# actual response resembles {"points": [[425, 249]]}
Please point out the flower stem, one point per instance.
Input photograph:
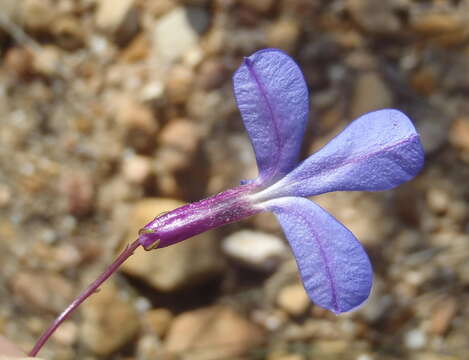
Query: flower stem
{"points": [[90, 290]]}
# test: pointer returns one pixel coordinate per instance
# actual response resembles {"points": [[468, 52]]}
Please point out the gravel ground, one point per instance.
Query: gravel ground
{"points": [[113, 111]]}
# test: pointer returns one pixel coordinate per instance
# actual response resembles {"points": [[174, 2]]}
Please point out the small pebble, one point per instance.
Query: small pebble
{"points": [[415, 339], [442, 316], [158, 320], [136, 169], [293, 299], [5, 195], [438, 200], [284, 34], [38, 15], [370, 93], [66, 334], [47, 60], [180, 134], [120, 18], [177, 32], [179, 84], [255, 248], [459, 133], [20, 61]]}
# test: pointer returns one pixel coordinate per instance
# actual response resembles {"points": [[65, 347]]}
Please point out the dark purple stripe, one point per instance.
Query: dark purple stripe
{"points": [[195, 218], [278, 138]]}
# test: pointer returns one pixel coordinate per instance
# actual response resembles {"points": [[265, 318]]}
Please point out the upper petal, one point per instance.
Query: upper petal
{"points": [[272, 97], [334, 268], [377, 151]]}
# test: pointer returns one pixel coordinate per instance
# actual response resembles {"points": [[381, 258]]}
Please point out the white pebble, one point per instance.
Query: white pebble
{"points": [[255, 248], [415, 339]]}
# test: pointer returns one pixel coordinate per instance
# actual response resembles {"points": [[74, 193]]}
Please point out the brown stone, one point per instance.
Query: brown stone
{"points": [[261, 6], [283, 34], [445, 29], [424, 81], [19, 61], [158, 321], [37, 15], [5, 195], [435, 356], [362, 60], [78, 188], [212, 74], [442, 316], [174, 267], [436, 23], [286, 357], [68, 32], [119, 18], [293, 299], [137, 122], [179, 84], [158, 8], [375, 17], [44, 290], [333, 348], [370, 93], [180, 134], [168, 185], [109, 320], [459, 133], [137, 50], [169, 160], [438, 200], [212, 333], [132, 114]]}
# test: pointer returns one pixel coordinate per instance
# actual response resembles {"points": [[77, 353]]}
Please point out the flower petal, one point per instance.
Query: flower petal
{"points": [[272, 97], [334, 267], [378, 151]]}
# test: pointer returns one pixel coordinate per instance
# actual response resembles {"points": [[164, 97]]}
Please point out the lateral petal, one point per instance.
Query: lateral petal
{"points": [[272, 97], [334, 267], [377, 151]]}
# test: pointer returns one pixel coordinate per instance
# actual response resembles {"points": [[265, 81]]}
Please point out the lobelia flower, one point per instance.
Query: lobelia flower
{"points": [[377, 151]]}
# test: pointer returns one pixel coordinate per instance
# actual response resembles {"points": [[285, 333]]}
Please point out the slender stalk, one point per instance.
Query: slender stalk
{"points": [[90, 290]]}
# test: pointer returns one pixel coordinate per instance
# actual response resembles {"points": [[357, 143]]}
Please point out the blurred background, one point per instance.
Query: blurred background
{"points": [[114, 111]]}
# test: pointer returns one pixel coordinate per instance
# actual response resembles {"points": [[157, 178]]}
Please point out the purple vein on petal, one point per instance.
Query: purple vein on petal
{"points": [[272, 97], [319, 164], [359, 159], [264, 94], [334, 267], [325, 259]]}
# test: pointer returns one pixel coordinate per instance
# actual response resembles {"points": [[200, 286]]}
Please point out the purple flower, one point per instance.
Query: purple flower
{"points": [[377, 151]]}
